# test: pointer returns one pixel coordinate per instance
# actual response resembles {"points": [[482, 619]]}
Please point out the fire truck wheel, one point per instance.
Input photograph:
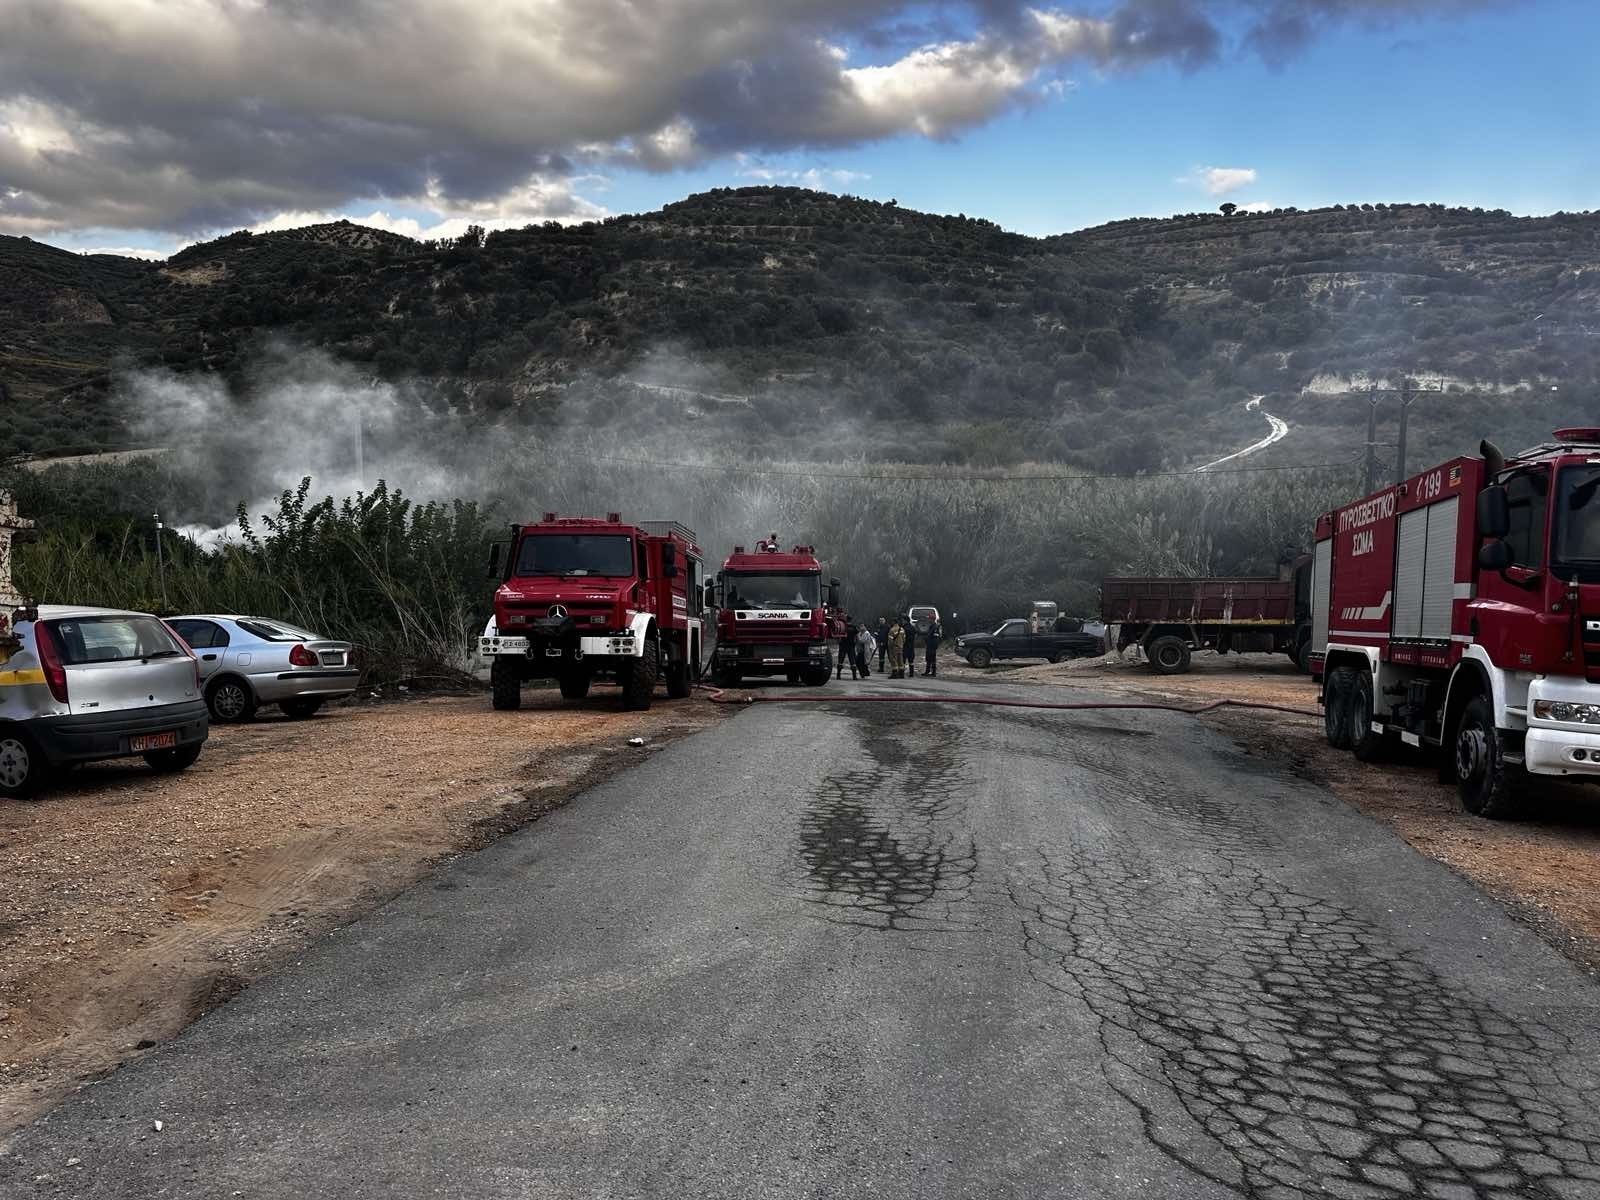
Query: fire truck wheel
{"points": [[1369, 746], [1484, 780], [639, 682], [1169, 655], [725, 676], [1336, 706], [506, 681], [679, 683], [817, 677], [574, 685]]}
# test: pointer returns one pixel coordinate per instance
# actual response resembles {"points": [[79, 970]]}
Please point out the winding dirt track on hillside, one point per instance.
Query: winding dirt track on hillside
{"points": [[1279, 429]]}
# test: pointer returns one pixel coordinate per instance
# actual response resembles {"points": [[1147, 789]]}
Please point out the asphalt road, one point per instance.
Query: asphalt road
{"points": [[889, 951]]}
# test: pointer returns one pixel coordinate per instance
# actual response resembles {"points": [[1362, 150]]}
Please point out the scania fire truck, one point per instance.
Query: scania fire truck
{"points": [[774, 616], [1461, 610], [582, 599]]}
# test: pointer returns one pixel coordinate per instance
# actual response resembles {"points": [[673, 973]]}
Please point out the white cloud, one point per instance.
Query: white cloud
{"points": [[812, 177], [1258, 206], [1220, 181]]}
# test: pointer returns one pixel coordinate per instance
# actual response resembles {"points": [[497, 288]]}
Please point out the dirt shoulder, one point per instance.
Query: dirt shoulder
{"points": [[1542, 866], [131, 903]]}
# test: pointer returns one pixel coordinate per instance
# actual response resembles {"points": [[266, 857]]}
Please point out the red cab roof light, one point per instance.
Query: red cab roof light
{"points": [[1589, 434]]}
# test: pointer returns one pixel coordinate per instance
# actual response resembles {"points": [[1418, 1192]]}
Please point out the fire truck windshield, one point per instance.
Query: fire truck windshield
{"points": [[576, 554], [774, 591], [1577, 524]]}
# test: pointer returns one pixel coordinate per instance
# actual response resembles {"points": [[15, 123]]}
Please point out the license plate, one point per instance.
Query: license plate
{"points": [[152, 741], [772, 662]]}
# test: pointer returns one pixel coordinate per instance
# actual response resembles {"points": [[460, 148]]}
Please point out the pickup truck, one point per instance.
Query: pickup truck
{"points": [[1012, 640]]}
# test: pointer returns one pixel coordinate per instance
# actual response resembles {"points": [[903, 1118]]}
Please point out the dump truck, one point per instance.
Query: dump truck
{"points": [[1459, 610], [589, 598], [1170, 618], [774, 615]]}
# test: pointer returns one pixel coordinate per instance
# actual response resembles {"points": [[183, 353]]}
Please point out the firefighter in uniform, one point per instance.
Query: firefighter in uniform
{"points": [[911, 646], [934, 634], [897, 650]]}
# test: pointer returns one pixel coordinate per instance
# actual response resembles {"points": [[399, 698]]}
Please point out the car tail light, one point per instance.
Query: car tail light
{"points": [[55, 675], [300, 655]]}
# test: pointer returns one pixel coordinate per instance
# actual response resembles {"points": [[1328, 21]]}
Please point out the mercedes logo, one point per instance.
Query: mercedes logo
{"points": [[558, 611]]}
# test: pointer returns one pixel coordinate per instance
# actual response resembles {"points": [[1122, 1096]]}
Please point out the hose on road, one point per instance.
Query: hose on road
{"points": [[720, 696]]}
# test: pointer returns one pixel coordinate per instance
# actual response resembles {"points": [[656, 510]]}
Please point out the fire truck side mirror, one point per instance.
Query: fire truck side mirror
{"points": [[1494, 556], [1494, 512], [494, 560], [710, 594]]}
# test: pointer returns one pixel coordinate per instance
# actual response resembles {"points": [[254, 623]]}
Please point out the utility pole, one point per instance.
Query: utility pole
{"points": [[161, 563], [1372, 438], [361, 470], [1407, 396]]}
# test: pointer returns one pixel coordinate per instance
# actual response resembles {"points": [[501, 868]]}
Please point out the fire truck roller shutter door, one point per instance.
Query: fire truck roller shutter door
{"points": [[1321, 587], [1439, 579], [1410, 563]]}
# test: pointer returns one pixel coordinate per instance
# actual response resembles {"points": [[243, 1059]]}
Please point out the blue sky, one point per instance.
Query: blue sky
{"points": [[1495, 106]]}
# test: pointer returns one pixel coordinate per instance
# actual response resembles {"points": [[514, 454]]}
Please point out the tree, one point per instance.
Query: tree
{"points": [[1228, 208]]}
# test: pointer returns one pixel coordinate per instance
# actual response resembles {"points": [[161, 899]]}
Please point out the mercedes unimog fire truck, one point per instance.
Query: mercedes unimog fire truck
{"points": [[582, 599], [1461, 610], [774, 616]]}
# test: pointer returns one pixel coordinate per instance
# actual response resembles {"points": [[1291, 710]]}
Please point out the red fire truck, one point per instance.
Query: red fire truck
{"points": [[582, 599], [1461, 610], [773, 616]]}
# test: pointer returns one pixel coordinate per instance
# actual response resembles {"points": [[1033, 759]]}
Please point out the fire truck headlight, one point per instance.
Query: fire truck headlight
{"points": [[816, 651], [1561, 710]]}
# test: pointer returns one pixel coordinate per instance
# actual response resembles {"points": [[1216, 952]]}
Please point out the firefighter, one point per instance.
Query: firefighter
{"points": [[882, 637], [911, 647], [935, 632], [865, 648], [847, 650], [897, 650]]}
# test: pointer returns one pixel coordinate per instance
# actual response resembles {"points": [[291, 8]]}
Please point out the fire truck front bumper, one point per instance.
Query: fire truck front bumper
{"points": [[1563, 729], [611, 645]]}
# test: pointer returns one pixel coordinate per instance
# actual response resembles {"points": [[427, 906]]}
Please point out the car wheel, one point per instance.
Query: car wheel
{"points": [[22, 770], [980, 659], [1169, 655], [300, 710], [170, 762], [231, 701], [1484, 780]]}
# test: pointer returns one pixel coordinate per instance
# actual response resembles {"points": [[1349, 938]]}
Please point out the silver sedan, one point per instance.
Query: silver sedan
{"points": [[246, 662]]}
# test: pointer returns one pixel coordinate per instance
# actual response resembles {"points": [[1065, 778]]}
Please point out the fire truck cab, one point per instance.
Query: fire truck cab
{"points": [[1461, 610], [774, 615], [582, 599]]}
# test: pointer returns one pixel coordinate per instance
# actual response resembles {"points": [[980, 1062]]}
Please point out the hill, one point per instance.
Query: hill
{"points": [[809, 325]]}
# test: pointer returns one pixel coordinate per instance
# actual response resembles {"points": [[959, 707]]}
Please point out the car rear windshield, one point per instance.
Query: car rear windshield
{"points": [[112, 639], [273, 631], [610, 555]]}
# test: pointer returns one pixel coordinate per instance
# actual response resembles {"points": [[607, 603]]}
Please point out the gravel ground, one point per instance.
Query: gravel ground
{"points": [[130, 904], [1542, 866]]}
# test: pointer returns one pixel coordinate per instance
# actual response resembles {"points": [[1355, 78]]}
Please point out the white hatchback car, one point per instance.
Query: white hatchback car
{"points": [[82, 684]]}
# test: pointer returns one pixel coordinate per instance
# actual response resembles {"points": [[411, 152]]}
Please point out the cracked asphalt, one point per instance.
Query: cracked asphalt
{"points": [[889, 950]]}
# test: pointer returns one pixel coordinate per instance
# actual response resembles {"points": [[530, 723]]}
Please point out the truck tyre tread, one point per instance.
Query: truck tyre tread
{"points": [[1169, 655], [506, 682], [679, 681], [639, 681], [1336, 691], [1486, 783], [1369, 746]]}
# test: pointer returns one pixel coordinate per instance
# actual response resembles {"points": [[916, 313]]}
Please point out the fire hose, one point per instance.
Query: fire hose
{"points": [[720, 696]]}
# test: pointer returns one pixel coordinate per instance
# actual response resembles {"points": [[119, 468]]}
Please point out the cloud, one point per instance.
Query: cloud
{"points": [[811, 177], [181, 116], [1257, 206], [1219, 181]]}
